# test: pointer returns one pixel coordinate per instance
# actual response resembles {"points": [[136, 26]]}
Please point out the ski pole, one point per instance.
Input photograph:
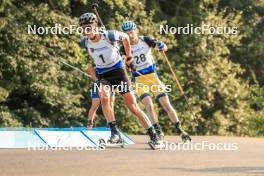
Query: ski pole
{"points": [[71, 66], [94, 7], [174, 74], [178, 84]]}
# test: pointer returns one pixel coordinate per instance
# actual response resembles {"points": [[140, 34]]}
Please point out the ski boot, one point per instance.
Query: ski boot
{"points": [[115, 137], [158, 130], [155, 142], [115, 140], [184, 135]]}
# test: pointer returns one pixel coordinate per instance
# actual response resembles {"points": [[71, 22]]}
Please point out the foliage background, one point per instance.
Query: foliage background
{"points": [[223, 75]]}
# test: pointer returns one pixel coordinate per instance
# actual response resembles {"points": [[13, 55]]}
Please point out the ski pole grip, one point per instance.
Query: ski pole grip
{"points": [[94, 5]]}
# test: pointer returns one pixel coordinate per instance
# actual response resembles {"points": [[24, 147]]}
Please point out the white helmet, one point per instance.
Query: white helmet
{"points": [[88, 18]]}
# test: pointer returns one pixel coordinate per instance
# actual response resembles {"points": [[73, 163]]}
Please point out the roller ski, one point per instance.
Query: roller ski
{"points": [[159, 131], [115, 140], [155, 142], [183, 134]]}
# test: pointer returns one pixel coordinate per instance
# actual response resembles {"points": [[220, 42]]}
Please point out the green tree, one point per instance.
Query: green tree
{"points": [[221, 74], [36, 89]]}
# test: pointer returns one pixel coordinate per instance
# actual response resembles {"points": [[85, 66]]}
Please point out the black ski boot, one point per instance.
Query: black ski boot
{"points": [[158, 130], [184, 135], [155, 142], [115, 134], [115, 137]]}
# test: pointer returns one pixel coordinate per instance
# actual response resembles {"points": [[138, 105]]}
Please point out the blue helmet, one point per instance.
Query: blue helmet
{"points": [[128, 26]]}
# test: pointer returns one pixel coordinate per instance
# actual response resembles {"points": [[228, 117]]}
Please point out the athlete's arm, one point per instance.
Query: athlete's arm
{"points": [[153, 43], [91, 71], [114, 35], [127, 47]]}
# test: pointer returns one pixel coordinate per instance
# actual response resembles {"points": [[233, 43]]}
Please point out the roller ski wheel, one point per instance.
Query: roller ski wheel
{"points": [[185, 137], [108, 143], [155, 145], [120, 143], [102, 144]]}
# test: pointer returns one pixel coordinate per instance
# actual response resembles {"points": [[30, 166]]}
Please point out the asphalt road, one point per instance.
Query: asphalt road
{"points": [[233, 157]]}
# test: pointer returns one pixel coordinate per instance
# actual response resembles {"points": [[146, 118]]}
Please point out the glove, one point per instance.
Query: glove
{"points": [[161, 46]]}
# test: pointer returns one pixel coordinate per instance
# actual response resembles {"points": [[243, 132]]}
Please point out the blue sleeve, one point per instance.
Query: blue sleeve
{"points": [[114, 35]]}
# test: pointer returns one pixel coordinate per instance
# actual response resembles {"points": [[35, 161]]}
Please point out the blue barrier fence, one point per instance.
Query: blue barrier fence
{"points": [[55, 137]]}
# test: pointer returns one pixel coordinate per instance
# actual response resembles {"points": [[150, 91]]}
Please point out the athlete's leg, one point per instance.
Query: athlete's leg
{"points": [[132, 105], [105, 98], [95, 105], [105, 94], [112, 101], [148, 103], [92, 111], [130, 101], [120, 79], [151, 81], [166, 105]]}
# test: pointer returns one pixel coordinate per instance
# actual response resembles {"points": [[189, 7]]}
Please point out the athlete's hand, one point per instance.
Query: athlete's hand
{"points": [[128, 68], [90, 123], [91, 72], [132, 67], [161, 46], [129, 63]]}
